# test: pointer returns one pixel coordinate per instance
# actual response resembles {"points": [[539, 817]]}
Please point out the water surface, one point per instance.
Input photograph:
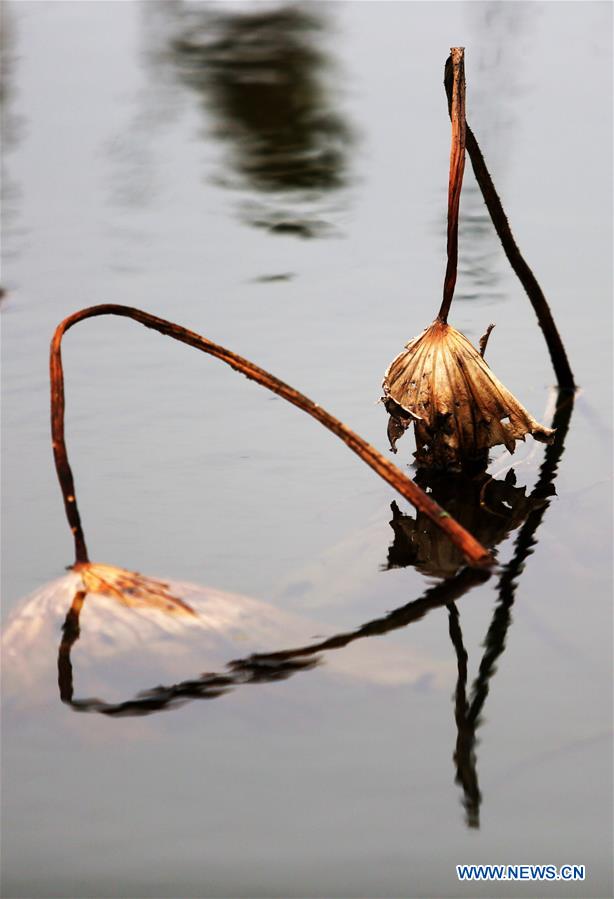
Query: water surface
{"points": [[311, 239]]}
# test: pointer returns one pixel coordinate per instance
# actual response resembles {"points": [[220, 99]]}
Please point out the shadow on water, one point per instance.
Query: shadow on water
{"points": [[525, 513], [260, 77]]}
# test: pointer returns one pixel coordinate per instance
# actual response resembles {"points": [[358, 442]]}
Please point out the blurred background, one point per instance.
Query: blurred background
{"points": [[274, 176]]}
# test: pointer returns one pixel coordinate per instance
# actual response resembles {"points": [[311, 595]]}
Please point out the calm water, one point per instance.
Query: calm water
{"points": [[276, 180]]}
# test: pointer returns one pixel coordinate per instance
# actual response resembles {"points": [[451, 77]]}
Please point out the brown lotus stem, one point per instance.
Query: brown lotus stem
{"points": [[455, 66], [484, 340], [526, 277], [475, 554], [275, 666], [435, 597]]}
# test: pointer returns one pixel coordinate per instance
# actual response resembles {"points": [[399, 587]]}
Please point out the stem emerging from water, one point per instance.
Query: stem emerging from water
{"points": [[474, 552], [528, 280], [455, 71]]}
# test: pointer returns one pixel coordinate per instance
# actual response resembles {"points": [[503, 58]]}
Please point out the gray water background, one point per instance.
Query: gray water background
{"points": [[122, 184]]}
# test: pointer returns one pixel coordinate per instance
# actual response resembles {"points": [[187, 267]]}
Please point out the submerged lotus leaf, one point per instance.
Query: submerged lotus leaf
{"points": [[130, 588], [458, 407]]}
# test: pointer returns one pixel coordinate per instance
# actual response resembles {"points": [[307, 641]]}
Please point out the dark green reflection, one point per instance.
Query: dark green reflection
{"points": [[261, 77]]}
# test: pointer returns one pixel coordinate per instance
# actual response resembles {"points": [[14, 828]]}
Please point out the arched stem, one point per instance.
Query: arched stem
{"points": [[473, 551], [526, 277]]}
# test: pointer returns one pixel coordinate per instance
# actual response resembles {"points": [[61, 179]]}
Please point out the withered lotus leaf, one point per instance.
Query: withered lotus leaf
{"points": [[130, 588], [441, 383]]}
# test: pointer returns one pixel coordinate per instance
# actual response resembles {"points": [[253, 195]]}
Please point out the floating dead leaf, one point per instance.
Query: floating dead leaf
{"points": [[441, 383], [130, 588]]}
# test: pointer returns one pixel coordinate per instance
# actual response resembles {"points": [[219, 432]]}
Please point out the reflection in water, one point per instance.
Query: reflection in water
{"points": [[12, 127], [465, 758], [257, 667], [523, 547], [480, 499], [468, 713], [489, 508], [137, 149], [280, 665], [260, 76], [208, 686], [478, 273]]}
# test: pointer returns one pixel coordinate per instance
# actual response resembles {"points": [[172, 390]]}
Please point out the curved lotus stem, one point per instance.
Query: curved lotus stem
{"points": [[526, 277], [472, 550]]}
